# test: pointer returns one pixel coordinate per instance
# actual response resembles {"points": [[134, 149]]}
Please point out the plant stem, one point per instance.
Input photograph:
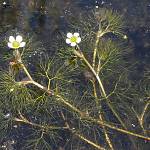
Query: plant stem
{"points": [[143, 113], [118, 129], [48, 127], [98, 35], [70, 105], [105, 131], [82, 114], [89, 142], [80, 136], [80, 55], [45, 127], [98, 67], [101, 116], [26, 71]]}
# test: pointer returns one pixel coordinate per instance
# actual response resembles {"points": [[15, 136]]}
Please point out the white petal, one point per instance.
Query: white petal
{"points": [[73, 44], [19, 38], [68, 41], [11, 39], [76, 34], [69, 35], [78, 40], [22, 44], [10, 45]]}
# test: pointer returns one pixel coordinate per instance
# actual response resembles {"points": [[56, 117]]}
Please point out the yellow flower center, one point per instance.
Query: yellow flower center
{"points": [[73, 39], [15, 44]]}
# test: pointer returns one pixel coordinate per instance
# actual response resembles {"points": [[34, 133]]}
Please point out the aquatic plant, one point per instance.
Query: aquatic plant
{"points": [[83, 98]]}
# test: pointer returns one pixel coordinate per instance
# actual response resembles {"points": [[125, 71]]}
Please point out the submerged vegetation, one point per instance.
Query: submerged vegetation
{"points": [[83, 97]]}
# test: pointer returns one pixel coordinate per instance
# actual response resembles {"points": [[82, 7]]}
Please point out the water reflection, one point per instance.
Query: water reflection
{"points": [[32, 15]]}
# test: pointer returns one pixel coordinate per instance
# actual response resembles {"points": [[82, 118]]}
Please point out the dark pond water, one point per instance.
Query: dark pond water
{"points": [[45, 18]]}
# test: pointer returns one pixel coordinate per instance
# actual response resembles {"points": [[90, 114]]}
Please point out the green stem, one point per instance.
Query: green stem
{"points": [[26, 71], [83, 115], [118, 129], [101, 86], [98, 35], [70, 105], [89, 142]]}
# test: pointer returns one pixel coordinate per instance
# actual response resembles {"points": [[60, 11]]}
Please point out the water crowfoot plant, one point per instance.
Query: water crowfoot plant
{"points": [[62, 105]]}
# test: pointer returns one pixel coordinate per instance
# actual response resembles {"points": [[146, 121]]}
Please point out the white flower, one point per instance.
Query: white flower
{"points": [[125, 37], [11, 90], [73, 39], [4, 3], [16, 43]]}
